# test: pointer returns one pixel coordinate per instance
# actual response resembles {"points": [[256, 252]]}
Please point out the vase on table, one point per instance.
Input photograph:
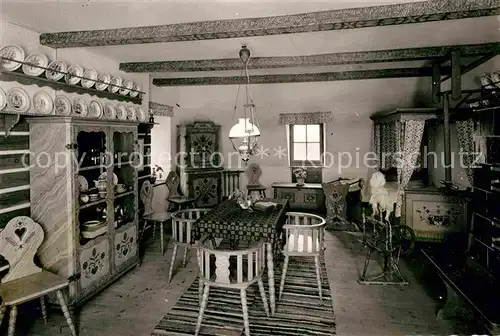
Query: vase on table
{"points": [[300, 181]]}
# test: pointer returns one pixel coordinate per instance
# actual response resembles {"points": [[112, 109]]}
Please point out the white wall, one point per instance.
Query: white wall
{"points": [[352, 102], [163, 133]]}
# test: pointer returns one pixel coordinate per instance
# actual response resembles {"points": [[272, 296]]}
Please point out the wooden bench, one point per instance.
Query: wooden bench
{"points": [[472, 293]]}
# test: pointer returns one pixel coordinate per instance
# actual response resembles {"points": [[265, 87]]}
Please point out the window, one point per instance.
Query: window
{"points": [[306, 144]]}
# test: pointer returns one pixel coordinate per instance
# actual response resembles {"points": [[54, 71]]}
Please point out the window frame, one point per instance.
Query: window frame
{"points": [[306, 163]]}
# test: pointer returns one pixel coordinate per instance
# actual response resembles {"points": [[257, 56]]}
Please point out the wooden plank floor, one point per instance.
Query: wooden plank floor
{"points": [[133, 305]]}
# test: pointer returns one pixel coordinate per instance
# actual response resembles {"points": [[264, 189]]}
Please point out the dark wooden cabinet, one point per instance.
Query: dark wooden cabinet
{"points": [[301, 198], [199, 167]]}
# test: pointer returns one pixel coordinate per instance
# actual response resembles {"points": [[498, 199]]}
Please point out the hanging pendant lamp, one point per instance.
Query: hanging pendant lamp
{"points": [[245, 133]]}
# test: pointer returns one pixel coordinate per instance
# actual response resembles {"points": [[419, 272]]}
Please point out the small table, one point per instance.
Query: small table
{"points": [[230, 221]]}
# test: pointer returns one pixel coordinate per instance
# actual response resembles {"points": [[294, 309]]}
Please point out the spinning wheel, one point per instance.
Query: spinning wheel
{"points": [[389, 241]]}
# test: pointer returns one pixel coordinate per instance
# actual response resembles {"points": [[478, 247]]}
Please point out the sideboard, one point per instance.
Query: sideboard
{"points": [[307, 197]]}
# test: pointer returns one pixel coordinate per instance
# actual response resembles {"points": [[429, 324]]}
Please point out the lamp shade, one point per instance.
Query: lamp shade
{"points": [[244, 128]]}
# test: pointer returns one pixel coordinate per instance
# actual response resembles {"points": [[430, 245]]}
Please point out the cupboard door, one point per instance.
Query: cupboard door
{"points": [[206, 187], [125, 246], [94, 265]]}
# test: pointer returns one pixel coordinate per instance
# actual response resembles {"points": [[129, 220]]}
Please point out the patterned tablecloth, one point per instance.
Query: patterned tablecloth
{"points": [[229, 221]]}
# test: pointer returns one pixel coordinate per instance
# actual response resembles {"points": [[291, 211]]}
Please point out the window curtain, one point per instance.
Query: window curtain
{"points": [[389, 144], [465, 134], [376, 145], [305, 118], [411, 139]]}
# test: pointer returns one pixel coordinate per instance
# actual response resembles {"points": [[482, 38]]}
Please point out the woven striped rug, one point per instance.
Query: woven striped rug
{"points": [[299, 312]]}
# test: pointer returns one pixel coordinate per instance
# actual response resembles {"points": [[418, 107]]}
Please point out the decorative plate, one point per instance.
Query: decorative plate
{"points": [[62, 106], [80, 107], [102, 82], [3, 99], [131, 114], [141, 114], [109, 112], [18, 100], [486, 81], [121, 112], [15, 53], [126, 86], [83, 184], [95, 109], [104, 176], [135, 90], [114, 84], [495, 76], [43, 103], [74, 70], [39, 61], [91, 76], [58, 66]]}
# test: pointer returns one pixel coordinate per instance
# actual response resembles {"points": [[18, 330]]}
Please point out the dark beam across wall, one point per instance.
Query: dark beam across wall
{"points": [[351, 18], [376, 56], [297, 78]]}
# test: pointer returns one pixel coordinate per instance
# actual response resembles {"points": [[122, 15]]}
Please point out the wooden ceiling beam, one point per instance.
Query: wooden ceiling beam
{"points": [[350, 18], [376, 56], [298, 78]]}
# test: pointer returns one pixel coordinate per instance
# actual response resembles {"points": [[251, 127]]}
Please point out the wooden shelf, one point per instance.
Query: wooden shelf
{"points": [[24, 79], [88, 205], [495, 222], [117, 196]]}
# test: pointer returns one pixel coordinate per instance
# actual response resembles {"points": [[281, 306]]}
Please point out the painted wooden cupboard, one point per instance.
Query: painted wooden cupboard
{"points": [[90, 233], [200, 168]]}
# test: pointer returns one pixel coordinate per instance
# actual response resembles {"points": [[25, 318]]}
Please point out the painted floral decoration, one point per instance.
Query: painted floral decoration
{"points": [[438, 217]]}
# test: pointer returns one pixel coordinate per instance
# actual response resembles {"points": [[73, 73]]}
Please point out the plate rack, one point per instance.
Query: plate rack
{"points": [[24, 79]]}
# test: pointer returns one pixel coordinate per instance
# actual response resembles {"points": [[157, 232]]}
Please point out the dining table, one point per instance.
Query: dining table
{"points": [[229, 221]]}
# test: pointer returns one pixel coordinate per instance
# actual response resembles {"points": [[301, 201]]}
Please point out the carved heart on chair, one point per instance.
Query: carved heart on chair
{"points": [[20, 233]]}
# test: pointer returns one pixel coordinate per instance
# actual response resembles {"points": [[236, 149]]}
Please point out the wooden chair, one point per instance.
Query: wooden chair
{"points": [[253, 173], [150, 216], [175, 197], [182, 233], [25, 281], [304, 234], [249, 268]]}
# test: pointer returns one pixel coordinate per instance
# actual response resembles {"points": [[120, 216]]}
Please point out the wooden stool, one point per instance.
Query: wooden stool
{"points": [[259, 189]]}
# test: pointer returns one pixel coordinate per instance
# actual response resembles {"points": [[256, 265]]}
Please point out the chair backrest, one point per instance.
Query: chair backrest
{"points": [[172, 182], [231, 268], [231, 181], [183, 222], [336, 199], [19, 242], [146, 195], [253, 173], [305, 233]]}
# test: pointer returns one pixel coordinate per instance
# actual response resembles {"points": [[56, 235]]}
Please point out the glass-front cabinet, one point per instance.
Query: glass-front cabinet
{"points": [[94, 199]]}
